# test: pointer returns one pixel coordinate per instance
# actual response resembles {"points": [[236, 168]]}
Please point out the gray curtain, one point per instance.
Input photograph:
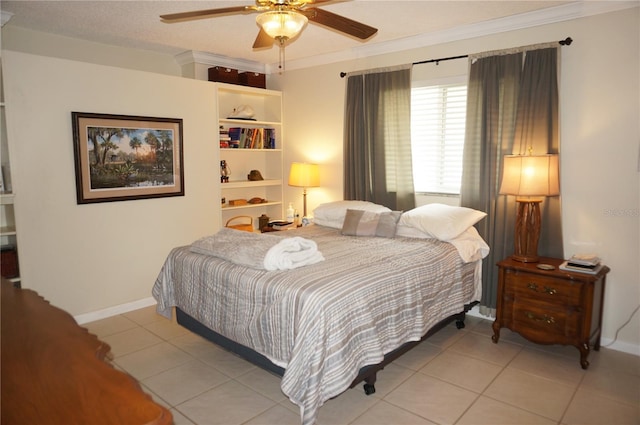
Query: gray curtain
{"points": [[510, 107], [537, 128], [377, 139], [492, 97]]}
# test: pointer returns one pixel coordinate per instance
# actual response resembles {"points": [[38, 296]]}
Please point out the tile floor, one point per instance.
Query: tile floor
{"points": [[456, 377]]}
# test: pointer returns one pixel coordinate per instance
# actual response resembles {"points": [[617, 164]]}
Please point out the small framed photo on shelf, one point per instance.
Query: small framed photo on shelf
{"points": [[121, 157]]}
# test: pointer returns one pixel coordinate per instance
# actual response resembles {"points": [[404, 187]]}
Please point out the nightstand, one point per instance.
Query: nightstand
{"points": [[550, 306]]}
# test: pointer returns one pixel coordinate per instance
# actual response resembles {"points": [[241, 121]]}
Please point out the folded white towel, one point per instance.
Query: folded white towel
{"points": [[259, 251], [291, 253]]}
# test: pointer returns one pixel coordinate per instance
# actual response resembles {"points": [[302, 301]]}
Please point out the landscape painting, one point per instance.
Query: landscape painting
{"points": [[120, 157]]}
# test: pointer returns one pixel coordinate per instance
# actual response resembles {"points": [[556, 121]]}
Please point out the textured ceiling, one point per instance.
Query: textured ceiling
{"points": [[136, 24]]}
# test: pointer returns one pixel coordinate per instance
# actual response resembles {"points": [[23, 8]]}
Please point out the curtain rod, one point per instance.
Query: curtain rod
{"points": [[566, 42]]}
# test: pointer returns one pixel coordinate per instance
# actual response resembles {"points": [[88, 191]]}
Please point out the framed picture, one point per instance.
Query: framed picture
{"points": [[121, 158]]}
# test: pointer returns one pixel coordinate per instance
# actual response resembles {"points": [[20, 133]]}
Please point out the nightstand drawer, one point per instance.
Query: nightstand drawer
{"points": [[542, 288], [541, 323]]}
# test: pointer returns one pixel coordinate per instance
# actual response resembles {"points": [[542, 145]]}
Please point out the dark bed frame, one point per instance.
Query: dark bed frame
{"points": [[368, 374]]}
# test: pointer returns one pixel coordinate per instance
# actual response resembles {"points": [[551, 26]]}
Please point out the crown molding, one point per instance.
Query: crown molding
{"points": [[212, 59], [551, 15], [526, 20]]}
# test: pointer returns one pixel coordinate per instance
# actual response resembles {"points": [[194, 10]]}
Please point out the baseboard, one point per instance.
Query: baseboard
{"points": [[625, 347], [114, 311]]}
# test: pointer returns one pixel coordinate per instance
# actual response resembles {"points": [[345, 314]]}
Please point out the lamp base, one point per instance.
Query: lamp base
{"points": [[304, 202], [527, 233], [525, 258]]}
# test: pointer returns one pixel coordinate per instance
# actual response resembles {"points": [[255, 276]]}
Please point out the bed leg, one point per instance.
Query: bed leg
{"points": [[460, 320], [369, 384]]}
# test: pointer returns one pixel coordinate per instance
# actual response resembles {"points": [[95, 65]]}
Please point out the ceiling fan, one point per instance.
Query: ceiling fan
{"points": [[282, 20]]}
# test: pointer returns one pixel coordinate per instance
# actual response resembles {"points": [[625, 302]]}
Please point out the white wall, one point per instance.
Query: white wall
{"points": [[599, 96], [85, 258], [43, 44]]}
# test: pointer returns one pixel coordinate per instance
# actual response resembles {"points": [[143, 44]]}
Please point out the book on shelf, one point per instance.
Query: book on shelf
{"points": [[234, 133], [252, 138], [224, 137], [270, 136]]}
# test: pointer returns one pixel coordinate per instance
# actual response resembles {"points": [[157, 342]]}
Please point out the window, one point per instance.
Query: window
{"points": [[438, 115]]}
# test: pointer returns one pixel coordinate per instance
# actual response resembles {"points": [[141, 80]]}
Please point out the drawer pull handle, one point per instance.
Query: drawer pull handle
{"points": [[547, 319], [546, 290]]}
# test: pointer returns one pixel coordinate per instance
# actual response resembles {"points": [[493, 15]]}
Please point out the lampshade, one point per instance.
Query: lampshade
{"points": [[304, 175], [530, 175], [281, 24]]}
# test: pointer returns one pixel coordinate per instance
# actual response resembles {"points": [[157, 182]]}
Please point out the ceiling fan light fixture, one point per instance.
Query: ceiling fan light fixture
{"points": [[282, 24]]}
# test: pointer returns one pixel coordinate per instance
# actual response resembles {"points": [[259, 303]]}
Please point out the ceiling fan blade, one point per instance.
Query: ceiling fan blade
{"points": [[208, 13], [340, 23], [262, 40]]}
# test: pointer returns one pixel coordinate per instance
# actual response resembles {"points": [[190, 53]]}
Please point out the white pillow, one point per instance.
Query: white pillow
{"points": [[405, 231], [331, 214], [470, 246], [441, 221]]}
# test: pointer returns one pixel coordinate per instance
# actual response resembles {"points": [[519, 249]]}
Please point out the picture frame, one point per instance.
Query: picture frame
{"points": [[123, 157]]}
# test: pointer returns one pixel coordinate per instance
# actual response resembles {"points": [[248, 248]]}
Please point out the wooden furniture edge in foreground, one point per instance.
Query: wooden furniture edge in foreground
{"points": [[54, 371]]}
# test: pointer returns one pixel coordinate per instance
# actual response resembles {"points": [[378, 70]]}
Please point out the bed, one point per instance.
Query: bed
{"points": [[327, 325]]}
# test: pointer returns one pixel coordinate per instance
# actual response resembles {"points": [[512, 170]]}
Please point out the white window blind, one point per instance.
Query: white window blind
{"points": [[438, 115]]}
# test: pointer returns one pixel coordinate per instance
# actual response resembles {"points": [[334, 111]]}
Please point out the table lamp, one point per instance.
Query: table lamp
{"points": [[530, 178], [304, 175]]}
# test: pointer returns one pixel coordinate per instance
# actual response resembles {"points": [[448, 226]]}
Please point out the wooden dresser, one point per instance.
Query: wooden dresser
{"points": [[550, 306], [54, 372]]}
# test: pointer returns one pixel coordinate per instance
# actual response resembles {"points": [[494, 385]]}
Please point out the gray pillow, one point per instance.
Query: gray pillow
{"points": [[367, 223]]}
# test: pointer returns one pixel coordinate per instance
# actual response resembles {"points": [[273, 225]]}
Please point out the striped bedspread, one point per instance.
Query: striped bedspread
{"points": [[325, 321]]}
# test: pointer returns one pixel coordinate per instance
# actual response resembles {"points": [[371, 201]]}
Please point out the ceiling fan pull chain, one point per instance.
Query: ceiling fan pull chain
{"points": [[281, 56]]}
